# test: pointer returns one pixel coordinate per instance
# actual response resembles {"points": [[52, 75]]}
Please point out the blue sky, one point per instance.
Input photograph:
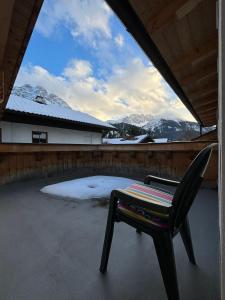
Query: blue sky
{"points": [[81, 51]]}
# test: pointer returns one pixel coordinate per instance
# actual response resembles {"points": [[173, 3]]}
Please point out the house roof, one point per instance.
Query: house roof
{"points": [[28, 107], [180, 38], [208, 136], [161, 140], [17, 20], [136, 140]]}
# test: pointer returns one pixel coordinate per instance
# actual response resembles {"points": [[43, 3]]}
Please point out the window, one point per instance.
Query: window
{"points": [[39, 137]]}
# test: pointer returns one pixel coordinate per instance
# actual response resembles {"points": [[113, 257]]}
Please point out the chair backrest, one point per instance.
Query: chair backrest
{"points": [[190, 184]]}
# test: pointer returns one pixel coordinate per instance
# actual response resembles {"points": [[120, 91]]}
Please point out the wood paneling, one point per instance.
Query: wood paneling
{"points": [[19, 162]]}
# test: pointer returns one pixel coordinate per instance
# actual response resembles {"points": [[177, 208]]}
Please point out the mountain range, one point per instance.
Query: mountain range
{"points": [[158, 127]]}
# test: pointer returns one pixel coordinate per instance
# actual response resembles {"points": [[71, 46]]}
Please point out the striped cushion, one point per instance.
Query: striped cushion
{"points": [[160, 202]]}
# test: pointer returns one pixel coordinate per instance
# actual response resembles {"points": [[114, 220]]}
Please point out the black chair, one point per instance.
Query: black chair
{"points": [[160, 214]]}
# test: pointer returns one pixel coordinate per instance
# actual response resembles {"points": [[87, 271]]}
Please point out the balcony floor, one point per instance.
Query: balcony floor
{"points": [[51, 249]]}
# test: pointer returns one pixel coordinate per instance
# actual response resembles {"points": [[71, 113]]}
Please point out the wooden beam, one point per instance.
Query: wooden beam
{"points": [[202, 91], [166, 14], [204, 99], [208, 109], [210, 103], [6, 11], [187, 8], [205, 104], [202, 94], [202, 52], [208, 113], [199, 74], [213, 94], [175, 8]]}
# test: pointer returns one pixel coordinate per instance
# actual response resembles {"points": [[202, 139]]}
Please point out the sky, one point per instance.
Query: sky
{"points": [[81, 52]]}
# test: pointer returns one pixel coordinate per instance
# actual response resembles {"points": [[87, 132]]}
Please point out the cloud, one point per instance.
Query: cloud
{"points": [[135, 88], [78, 69], [119, 40], [83, 18]]}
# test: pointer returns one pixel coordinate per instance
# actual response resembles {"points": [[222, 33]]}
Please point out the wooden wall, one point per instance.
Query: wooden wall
{"points": [[23, 161]]}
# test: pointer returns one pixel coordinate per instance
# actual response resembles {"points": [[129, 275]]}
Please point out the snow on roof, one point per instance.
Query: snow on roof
{"points": [[20, 104], [161, 140], [136, 140]]}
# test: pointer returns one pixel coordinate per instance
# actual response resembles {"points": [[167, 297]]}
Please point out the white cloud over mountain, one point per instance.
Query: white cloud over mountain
{"points": [[78, 69], [135, 88]]}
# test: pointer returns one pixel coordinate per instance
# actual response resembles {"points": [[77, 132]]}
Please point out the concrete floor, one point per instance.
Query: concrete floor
{"points": [[50, 249]]}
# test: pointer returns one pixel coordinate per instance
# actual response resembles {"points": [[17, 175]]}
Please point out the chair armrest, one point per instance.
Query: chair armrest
{"points": [[165, 181]]}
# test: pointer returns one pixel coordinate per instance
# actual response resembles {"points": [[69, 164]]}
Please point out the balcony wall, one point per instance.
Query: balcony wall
{"points": [[24, 161]]}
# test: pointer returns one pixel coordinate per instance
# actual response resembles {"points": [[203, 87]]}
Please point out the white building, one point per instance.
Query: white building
{"points": [[26, 121]]}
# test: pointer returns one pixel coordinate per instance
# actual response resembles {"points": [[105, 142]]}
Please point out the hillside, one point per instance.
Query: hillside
{"points": [[30, 92], [157, 127]]}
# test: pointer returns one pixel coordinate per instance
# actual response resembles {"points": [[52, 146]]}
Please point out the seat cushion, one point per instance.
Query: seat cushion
{"points": [[160, 203]]}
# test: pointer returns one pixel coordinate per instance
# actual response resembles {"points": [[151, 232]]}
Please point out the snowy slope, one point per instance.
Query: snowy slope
{"points": [[30, 92], [17, 103], [137, 140], [139, 120]]}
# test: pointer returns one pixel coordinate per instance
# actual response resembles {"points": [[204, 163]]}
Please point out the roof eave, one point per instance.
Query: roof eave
{"points": [[32, 118], [134, 25]]}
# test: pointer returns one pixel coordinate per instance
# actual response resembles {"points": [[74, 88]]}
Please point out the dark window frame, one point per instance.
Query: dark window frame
{"points": [[40, 141]]}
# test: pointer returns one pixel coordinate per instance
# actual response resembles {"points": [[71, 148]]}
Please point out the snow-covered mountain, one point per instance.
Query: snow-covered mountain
{"points": [[148, 122], [30, 92], [160, 127], [139, 120]]}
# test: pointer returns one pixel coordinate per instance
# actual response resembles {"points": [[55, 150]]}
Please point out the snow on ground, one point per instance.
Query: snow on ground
{"points": [[136, 140], [88, 187]]}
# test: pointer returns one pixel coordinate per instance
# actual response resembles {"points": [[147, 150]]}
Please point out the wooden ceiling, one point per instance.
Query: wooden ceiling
{"points": [[180, 37], [17, 20]]}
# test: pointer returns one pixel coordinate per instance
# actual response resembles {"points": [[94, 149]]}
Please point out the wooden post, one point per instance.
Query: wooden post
{"points": [[200, 129], [221, 139], [2, 94]]}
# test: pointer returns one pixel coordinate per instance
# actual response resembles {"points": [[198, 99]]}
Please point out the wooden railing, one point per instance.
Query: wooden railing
{"points": [[21, 161]]}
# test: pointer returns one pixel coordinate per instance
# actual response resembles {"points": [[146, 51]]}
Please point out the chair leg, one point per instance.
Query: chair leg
{"points": [[165, 253], [108, 235], [186, 237]]}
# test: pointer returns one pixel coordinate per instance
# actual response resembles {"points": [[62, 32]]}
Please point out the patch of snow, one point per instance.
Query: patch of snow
{"points": [[20, 104], [88, 187], [161, 140], [136, 140]]}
